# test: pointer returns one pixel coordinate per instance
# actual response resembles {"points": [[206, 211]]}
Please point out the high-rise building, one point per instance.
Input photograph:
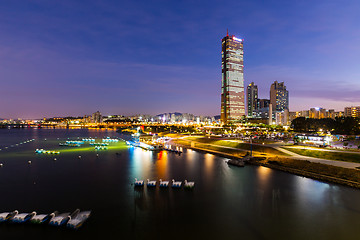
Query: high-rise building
{"points": [[263, 103], [96, 117], [252, 98], [352, 111], [279, 97], [232, 80]]}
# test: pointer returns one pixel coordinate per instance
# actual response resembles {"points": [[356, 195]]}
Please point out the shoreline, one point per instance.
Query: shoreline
{"points": [[256, 161]]}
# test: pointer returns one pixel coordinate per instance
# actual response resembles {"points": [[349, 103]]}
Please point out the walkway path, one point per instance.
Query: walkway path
{"points": [[319, 160], [324, 150]]}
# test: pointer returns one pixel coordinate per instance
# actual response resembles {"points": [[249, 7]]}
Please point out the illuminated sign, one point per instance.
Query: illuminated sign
{"points": [[237, 39]]}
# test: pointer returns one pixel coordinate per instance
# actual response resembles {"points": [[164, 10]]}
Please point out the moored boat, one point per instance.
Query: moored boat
{"points": [[43, 218], [189, 184], [23, 217], [163, 183], [139, 183], [6, 216], [176, 184], [79, 220]]}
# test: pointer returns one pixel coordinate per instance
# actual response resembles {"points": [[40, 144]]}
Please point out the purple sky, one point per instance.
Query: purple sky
{"points": [[128, 57]]}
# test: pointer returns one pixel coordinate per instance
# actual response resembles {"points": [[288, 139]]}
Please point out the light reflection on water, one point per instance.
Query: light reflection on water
{"points": [[161, 165]]}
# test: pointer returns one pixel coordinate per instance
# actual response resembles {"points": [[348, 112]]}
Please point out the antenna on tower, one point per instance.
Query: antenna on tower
{"points": [[227, 32]]}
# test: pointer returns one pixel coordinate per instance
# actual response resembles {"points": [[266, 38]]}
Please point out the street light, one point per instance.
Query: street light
{"points": [[250, 146]]}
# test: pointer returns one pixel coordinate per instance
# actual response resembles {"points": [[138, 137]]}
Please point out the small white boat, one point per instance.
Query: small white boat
{"points": [[23, 217], [7, 215], [42, 218], [139, 183], [189, 184], [60, 219], [79, 220], [151, 183], [164, 183], [176, 184]]}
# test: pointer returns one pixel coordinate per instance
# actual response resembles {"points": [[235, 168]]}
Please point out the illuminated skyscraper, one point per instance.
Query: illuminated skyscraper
{"points": [[279, 97], [252, 98], [232, 82]]}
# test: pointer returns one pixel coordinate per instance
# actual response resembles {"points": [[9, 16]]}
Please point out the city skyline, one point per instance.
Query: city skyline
{"points": [[68, 58]]}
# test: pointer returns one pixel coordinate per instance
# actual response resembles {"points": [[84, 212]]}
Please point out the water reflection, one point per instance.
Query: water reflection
{"points": [[141, 162], [209, 165], [162, 165], [264, 175], [310, 191]]}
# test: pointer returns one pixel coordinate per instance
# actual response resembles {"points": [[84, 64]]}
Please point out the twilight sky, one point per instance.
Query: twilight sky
{"points": [[62, 58]]}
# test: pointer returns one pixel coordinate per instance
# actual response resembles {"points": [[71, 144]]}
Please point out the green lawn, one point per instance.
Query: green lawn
{"points": [[345, 156]]}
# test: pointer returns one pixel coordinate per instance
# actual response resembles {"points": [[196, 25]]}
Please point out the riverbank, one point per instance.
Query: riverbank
{"points": [[318, 171]]}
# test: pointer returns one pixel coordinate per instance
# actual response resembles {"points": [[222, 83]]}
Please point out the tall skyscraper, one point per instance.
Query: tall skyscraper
{"points": [[279, 97], [232, 80], [252, 98]]}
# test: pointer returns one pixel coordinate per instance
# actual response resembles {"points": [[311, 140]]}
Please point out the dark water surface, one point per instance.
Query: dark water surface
{"points": [[227, 202]]}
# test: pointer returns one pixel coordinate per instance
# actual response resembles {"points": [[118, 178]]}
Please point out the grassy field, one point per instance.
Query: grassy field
{"points": [[345, 156]]}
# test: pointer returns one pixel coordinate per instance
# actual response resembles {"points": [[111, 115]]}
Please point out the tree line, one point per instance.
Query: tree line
{"points": [[339, 125]]}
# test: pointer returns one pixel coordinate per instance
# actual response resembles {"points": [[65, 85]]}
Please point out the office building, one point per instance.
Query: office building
{"points": [[263, 103], [232, 79], [279, 97], [252, 99], [282, 118], [96, 117], [352, 111]]}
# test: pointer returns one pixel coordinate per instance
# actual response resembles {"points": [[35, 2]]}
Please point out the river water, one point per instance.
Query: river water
{"points": [[227, 202]]}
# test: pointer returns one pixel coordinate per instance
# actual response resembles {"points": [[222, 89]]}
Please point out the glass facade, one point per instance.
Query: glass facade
{"points": [[279, 97], [252, 99], [232, 83]]}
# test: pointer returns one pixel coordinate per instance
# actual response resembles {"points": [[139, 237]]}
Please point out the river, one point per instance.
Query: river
{"points": [[227, 202]]}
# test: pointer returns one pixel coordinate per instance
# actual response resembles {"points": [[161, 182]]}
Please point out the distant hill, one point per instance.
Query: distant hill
{"points": [[176, 114]]}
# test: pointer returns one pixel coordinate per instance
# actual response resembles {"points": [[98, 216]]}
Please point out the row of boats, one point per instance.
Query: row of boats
{"points": [[72, 143], [74, 220], [174, 184], [108, 139], [17, 144], [101, 147], [41, 151]]}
